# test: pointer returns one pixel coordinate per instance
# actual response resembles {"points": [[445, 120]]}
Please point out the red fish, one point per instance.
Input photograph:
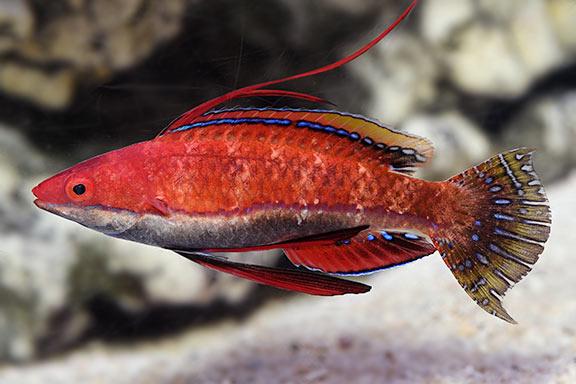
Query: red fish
{"points": [[333, 190]]}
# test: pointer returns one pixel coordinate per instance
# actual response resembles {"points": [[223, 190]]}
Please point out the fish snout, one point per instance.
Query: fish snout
{"points": [[36, 190], [39, 193], [51, 191]]}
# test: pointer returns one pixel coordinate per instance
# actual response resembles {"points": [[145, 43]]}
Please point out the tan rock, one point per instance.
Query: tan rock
{"points": [[547, 124], [563, 17], [112, 14], [534, 40], [457, 141], [485, 63], [397, 79], [441, 19], [92, 39], [16, 23], [53, 89]]}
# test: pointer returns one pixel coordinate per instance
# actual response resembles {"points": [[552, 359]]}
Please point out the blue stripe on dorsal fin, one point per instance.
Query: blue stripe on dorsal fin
{"points": [[402, 151]]}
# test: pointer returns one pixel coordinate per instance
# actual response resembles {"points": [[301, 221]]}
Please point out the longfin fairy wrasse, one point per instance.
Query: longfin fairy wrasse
{"points": [[333, 190]]}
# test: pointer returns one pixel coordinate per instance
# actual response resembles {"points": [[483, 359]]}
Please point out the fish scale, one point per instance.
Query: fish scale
{"points": [[337, 180]]}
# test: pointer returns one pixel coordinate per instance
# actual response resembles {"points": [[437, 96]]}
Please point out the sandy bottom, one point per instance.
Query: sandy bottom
{"points": [[416, 326]]}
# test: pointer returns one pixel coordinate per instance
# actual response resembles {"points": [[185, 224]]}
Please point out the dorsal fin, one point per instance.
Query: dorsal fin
{"points": [[400, 150], [191, 115]]}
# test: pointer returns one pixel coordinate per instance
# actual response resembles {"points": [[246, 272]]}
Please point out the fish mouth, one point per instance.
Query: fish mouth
{"points": [[45, 206], [57, 209], [110, 221]]}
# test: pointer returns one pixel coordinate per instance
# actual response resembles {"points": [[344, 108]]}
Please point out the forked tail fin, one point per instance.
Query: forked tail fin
{"points": [[504, 238]]}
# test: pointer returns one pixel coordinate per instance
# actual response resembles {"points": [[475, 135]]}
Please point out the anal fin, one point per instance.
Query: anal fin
{"points": [[367, 252]]}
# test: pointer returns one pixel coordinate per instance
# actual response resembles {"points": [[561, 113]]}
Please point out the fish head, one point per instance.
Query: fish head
{"points": [[99, 193]]}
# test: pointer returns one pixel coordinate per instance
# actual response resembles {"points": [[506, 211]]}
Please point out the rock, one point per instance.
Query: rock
{"points": [[87, 41], [458, 143], [442, 19], [533, 39], [563, 21], [31, 278], [398, 83], [16, 23], [484, 63], [53, 89], [111, 14], [496, 49], [109, 35], [170, 279], [547, 124]]}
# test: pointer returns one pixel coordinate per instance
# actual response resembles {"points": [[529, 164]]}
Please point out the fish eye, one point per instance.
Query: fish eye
{"points": [[79, 189]]}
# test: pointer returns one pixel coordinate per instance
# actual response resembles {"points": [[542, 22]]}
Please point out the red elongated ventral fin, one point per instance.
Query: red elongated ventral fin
{"points": [[368, 252], [322, 239], [197, 111], [288, 279]]}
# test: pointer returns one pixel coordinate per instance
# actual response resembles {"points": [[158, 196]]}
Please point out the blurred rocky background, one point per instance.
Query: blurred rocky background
{"points": [[80, 77]]}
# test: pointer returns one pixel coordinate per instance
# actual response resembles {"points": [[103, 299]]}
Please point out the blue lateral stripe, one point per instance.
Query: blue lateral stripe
{"points": [[283, 122]]}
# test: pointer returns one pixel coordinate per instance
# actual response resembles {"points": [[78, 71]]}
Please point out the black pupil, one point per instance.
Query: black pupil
{"points": [[79, 189]]}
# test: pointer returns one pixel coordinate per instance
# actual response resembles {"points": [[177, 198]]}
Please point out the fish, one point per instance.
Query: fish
{"points": [[335, 191]]}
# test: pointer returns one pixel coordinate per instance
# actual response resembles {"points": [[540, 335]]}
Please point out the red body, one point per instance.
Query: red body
{"points": [[286, 173]]}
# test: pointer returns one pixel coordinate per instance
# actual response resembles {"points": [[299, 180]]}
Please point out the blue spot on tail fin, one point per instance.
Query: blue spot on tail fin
{"points": [[504, 239]]}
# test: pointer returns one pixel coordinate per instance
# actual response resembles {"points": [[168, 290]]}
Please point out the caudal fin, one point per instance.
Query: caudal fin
{"points": [[504, 238]]}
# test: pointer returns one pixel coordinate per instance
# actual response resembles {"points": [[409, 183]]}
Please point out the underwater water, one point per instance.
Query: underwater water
{"points": [[80, 78]]}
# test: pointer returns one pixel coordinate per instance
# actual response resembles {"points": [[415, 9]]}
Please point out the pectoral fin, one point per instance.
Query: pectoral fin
{"points": [[159, 206]]}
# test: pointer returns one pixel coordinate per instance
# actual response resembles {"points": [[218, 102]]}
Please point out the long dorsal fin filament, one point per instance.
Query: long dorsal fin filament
{"points": [[199, 110]]}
